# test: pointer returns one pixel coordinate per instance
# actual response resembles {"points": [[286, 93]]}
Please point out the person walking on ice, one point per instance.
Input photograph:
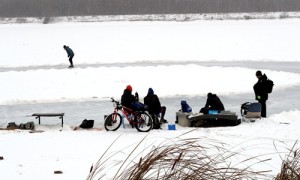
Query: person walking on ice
{"points": [[70, 55]]}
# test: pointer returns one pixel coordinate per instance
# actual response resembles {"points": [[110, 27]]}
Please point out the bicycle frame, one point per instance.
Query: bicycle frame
{"points": [[127, 112]]}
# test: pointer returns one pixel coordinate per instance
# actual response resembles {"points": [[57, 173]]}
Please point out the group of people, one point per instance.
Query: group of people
{"points": [[151, 101], [260, 90], [213, 102]]}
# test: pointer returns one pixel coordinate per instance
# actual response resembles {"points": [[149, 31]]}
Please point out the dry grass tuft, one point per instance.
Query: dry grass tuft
{"points": [[290, 168], [186, 159], [181, 159]]}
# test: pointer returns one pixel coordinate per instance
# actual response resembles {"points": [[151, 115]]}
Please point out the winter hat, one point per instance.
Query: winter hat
{"points": [[209, 94], [258, 73], [65, 46], [150, 91], [129, 88]]}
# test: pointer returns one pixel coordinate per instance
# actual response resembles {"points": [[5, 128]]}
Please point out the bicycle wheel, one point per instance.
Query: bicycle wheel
{"points": [[113, 122], [143, 122]]}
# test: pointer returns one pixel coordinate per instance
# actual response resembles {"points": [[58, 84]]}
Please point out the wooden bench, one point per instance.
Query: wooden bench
{"points": [[39, 115]]}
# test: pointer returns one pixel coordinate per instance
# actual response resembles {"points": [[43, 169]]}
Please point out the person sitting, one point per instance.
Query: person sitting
{"points": [[213, 102], [128, 100], [154, 107]]}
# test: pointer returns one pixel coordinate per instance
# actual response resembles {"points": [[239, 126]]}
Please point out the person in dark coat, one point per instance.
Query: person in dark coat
{"points": [[213, 102], [70, 55], [260, 91], [128, 99], [154, 106]]}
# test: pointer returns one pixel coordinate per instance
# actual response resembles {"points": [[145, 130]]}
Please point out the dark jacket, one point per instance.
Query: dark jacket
{"points": [[69, 51], [153, 103], [213, 102], [260, 89], [127, 99]]}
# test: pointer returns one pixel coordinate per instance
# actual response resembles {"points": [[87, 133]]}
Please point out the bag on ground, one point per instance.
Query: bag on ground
{"points": [[87, 124], [12, 125], [251, 110], [185, 107], [28, 126]]}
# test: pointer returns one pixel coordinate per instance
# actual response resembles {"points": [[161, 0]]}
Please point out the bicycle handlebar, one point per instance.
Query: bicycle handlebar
{"points": [[117, 102]]}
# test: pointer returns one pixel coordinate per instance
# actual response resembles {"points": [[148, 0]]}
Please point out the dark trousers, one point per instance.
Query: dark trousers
{"points": [[163, 112], [71, 60], [263, 108]]}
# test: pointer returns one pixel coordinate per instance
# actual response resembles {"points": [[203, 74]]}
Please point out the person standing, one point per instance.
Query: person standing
{"points": [[261, 92], [70, 55]]}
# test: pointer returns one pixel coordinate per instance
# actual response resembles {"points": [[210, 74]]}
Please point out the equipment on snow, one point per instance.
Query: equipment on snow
{"points": [[223, 118], [87, 124], [250, 111]]}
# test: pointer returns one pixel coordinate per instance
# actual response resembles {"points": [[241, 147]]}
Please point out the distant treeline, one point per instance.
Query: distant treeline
{"points": [[50, 8]]}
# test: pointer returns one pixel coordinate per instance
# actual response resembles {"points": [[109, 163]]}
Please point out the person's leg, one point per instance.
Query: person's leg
{"points": [[156, 123], [263, 108], [204, 110], [163, 112], [71, 60]]}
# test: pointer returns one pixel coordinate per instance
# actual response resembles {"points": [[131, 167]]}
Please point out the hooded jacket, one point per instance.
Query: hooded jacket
{"points": [[152, 101], [69, 51], [127, 98], [214, 102], [260, 88]]}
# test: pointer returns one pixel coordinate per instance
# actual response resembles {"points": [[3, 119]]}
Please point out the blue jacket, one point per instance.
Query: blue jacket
{"points": [[69, 51]]}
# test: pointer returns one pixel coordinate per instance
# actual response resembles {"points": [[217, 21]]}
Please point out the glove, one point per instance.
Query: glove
{"points": [[136, 95], [258, 97]]}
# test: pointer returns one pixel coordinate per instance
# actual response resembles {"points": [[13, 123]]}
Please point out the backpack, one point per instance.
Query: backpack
{"points": [[269, 85], [87, 124], [12, 125], [185, 107], [156, 123], [28, 125]]}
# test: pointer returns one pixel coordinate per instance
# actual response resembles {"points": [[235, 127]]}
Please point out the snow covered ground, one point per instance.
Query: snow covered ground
{"points": [[179, 60]]}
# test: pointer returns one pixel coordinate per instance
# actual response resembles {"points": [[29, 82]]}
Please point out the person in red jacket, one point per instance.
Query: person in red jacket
{"points": [[131, 101]]}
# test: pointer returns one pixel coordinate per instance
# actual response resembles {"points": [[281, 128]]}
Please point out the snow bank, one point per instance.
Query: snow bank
{"points": [[105, 82], [73, 152]]}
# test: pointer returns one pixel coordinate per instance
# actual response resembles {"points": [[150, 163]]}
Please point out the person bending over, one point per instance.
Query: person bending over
{"points": [[213, 102]]}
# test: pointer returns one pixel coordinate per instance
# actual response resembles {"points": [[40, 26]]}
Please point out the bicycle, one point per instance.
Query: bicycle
{"points": [[141, 120]]}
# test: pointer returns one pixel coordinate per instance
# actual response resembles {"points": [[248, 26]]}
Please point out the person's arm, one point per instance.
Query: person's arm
{"points": [[136, 96], [206, 104], [158, 102]]}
